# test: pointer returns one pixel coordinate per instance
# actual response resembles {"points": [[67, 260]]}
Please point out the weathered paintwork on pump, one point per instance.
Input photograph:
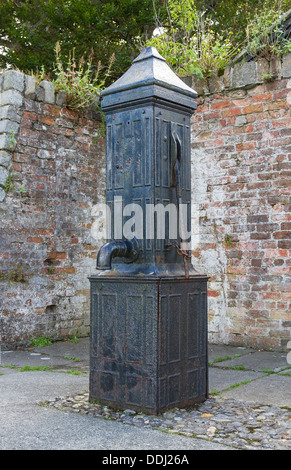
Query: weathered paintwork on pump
{"points": [[149, 343], [148, 311]]}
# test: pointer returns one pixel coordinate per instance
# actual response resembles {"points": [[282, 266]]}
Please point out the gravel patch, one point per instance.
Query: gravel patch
{"points": [[226, 421]]}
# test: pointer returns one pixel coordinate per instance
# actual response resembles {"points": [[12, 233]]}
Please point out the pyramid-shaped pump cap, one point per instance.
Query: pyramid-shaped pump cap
{"points": [[148, 77]]}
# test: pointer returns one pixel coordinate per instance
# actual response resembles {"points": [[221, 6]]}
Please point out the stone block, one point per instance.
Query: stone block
{"points": [[240, 121], [286, 66], [276, 67], [5, 158], [9, 112], [249, 73], [40, 92], [44, 154], [216, 84], [263, 68], [30, 85], [4, 173], [5, 143], [2, 195], [188, 79], [13, 80], [200, 86], [12, 97], [227, 77], [8, 127], [244, 74], [45, 92], [61, 98]]}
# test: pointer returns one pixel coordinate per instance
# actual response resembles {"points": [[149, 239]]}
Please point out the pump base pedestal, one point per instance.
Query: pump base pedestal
{"points": [[148, 347]]}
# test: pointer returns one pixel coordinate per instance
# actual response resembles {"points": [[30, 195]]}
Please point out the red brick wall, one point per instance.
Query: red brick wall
{"points": [[241, 149]]}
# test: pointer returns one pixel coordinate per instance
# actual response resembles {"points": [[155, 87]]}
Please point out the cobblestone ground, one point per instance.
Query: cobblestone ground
{"points": [[226, 421]]}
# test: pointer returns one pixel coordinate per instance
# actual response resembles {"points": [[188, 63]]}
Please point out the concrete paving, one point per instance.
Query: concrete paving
{"points": [[25, 425], [35, 375], [250, 375]]}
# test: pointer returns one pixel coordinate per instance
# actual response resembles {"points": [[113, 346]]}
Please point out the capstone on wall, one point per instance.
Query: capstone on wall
{"points": [[51, 176]]}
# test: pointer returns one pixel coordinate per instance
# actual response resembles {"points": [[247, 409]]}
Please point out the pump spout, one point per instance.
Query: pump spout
{"points": [[128, 249]]}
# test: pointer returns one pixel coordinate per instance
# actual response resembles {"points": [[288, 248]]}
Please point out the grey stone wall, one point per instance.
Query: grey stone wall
{"points": [[51, 176]]}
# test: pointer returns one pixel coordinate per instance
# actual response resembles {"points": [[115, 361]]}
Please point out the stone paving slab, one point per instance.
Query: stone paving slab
{"points": [[59, 355], [220, 379], [220, 351], [30, 387], [273, 389], [31, 359], [47, 429], [25, 425], [80, 349], [259, 361]]}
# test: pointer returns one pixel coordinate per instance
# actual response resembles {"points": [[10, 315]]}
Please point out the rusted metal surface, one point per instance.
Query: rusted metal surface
{"points": [[148, 304], [149, 343]]}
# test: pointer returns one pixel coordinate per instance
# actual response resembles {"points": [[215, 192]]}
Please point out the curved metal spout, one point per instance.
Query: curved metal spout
{"points": [[128, 249]]}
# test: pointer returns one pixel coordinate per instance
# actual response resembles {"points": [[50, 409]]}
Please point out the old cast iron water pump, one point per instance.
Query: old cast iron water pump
{"points": [[148, 346]]}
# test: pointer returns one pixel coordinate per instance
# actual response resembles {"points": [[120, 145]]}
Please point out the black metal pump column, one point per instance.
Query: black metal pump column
{"points": [[148, 347]]}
